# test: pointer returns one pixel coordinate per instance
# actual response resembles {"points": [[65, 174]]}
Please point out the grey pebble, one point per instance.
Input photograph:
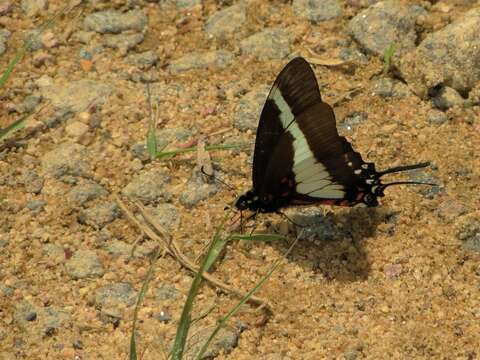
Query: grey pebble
{"points": [[76, 95], [317, 10], [123, 42], [3, 242], [447, 97], [387, 87], [32, 8], [167, 292], [450, 210], [447, 57], [228, 21], [118, 293], [186, 4], [318, 226], [437, 117], [4, 35], [163, 317], [219, 59], [25, 312], [114, 22], [270, 43], [99, 215], [29, 104], [83, 37], [33, 40], [58, 117], [36, 206], [143, 60], [67, 159], [352, 120], [196, 190], [247, 112], [166, 215], [42, 321], [53, 252], [352, 54], [383, 24], [110, 299], [149, 186], [32, 181], [84, 264], [85, 191], [469, 234], [225, 341]]}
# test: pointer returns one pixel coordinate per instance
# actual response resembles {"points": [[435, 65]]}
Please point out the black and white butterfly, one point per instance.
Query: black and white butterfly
{"points": [[299, 157]]}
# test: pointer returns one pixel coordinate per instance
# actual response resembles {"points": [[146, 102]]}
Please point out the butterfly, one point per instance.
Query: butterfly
{"points": [[299, 157]]}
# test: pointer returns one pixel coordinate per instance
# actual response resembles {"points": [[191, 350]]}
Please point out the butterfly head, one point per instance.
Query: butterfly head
{"points": [[246, 201]]}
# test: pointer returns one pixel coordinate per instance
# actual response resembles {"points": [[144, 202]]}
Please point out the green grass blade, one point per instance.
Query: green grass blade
{"points": [[172, 153], [387, 58], [235, 309], [16, 125], [258, 237], [152, 143], [185, 319], [141, 296]]}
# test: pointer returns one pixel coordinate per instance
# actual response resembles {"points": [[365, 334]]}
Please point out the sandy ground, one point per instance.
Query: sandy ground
{"points": [[398, 284]]}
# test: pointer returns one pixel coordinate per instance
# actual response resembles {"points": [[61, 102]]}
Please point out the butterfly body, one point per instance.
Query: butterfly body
{"points": [[300, 159]]}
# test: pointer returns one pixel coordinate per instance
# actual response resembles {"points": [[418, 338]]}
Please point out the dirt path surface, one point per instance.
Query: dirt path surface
{"points": [[400, 281]]}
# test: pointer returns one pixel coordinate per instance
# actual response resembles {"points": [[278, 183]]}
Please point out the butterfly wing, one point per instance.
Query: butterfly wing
{"points": [[299, 156], [294, 90]]}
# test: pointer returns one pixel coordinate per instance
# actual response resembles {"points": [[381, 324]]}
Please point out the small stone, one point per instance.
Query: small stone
{"points": [[99, 215], [446, 98], [77, 95], [469, 234], [24, 314], [352, 120], [436, 117], [143, 60], [270, 43], [393, 270], [167, 292], [249, 108], [76, 129], [149, 186], [112, 300], [83, 37], [5, 7], [196, 190], [386, 87], [32, 181], [34, 7], [383, 24], [117, 293], [186, 4], [166, 215], [352, 354], [4, 35], [36, 206], [228, 21], [29, 104], [53, 252], [67, 159], [123, 42], [85, 191], [217, 59], [84, 264], [114, 22], [163, 317], [450, 210], [226, 340], [317, 10]]}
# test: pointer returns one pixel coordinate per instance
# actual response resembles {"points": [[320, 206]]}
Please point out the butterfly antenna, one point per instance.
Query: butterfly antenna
{"points": [[403, 168], [384, 186], [214, 178]]}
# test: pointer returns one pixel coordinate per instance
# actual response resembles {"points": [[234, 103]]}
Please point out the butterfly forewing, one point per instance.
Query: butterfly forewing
{"points": [[294, 90]]}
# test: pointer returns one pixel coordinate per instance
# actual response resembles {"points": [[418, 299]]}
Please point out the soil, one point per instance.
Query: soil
{"points": [[399, 286]]}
